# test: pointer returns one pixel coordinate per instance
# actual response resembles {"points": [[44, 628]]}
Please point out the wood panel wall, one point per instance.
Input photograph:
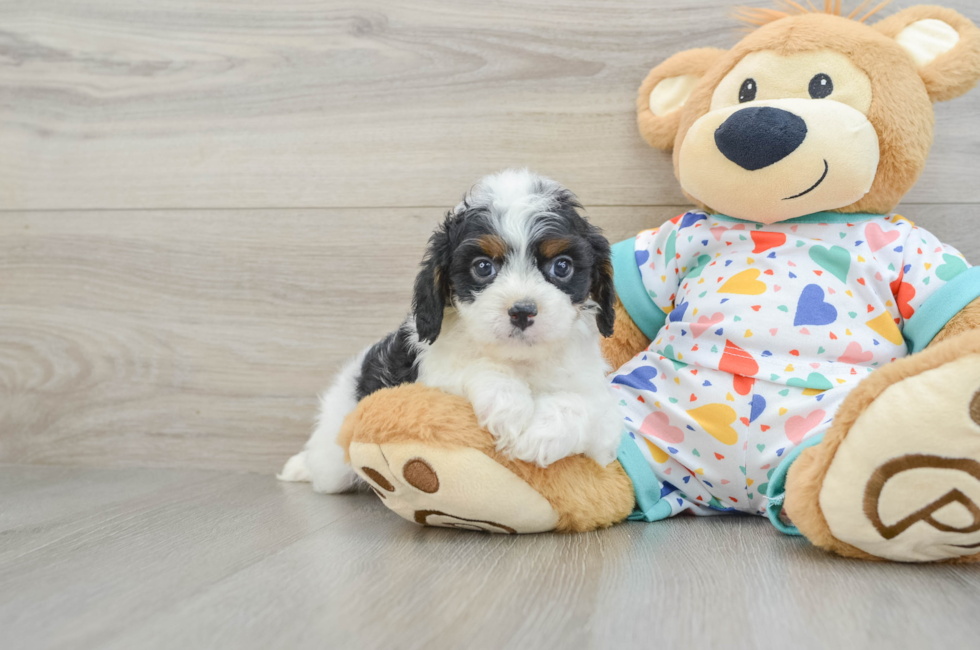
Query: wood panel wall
{"points": [[206, 206]]}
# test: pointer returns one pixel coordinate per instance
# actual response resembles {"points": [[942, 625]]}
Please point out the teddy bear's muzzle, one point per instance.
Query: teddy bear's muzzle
{"points": [[759, 136], [772, 160]]}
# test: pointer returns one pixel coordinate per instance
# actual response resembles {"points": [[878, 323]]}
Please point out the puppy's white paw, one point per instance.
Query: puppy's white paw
{"points": [[328, 471], [559, 429], [295, 469], [541, 447], [505, 413], [602, 456], [607, 432]]}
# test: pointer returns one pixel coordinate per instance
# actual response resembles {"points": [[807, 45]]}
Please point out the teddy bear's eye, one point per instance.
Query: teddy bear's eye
{"points": [[747, 92], [821, 86]]}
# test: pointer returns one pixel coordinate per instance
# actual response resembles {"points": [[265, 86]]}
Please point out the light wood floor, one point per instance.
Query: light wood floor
{"points": [[149, 558], [207, 205]]}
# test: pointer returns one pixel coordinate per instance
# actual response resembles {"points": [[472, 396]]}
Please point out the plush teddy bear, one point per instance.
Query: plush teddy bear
{"points": [[789, 349]]}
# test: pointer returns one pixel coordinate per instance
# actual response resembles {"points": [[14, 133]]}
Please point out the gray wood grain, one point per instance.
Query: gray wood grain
{"points": [[199, 339], [333, 103], [203, 212], [76, 566], [217, 560]]}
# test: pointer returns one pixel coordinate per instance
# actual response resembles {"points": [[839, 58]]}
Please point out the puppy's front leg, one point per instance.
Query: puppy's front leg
{"points": [[605, 430], [560, 428], [502, 403]]}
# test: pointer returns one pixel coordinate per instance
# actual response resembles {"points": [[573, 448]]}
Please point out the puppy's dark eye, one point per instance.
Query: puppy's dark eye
{"points": [[483, 268], [821, 86], [747, 92], [562, 268]]}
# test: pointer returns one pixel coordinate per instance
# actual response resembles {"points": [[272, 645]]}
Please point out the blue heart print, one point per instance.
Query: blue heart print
{"points": [[677, 313], [795, 328], [691, 218], [640, 379], [758, 406], [812, 310]]}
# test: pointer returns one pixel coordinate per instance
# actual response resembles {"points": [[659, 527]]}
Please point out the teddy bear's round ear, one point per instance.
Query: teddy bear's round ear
{"points": [[664, 92], [944, 45]]}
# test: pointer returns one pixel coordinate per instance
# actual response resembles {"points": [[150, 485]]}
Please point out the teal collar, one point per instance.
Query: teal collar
{"points": [[816, 217]]}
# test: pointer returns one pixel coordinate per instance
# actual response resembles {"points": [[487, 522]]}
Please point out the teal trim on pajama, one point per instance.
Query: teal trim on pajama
{"points": [[646, 487], [777, 487], [940, 307], [629, 287], [816, 217], [919, 330]]}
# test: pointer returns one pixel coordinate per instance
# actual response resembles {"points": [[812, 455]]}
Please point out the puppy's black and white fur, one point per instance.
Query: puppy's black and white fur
{"points": [[513, 295]]}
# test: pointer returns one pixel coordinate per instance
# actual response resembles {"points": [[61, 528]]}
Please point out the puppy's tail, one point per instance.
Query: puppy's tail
{"points": [[295, 470]]}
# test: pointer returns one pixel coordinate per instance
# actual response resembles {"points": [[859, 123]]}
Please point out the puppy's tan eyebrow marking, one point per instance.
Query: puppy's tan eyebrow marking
{"points": [[553, 247], [493, 245]]}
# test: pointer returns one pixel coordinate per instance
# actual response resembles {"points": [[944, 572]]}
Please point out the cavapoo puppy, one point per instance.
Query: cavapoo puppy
{"points": [[513, 295]]}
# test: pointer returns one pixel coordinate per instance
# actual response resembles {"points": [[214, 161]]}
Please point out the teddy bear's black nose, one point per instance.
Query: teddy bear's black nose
{"points": [[759, 136]]}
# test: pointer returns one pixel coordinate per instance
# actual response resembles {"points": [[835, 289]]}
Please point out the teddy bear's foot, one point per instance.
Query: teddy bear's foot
{"points": [[898, 475], [425, 455], [453, 488]]}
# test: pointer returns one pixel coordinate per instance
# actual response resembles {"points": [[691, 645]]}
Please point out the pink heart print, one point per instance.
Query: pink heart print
{"points": [[878, 238], [657, 425], [704, 323], [855, 354], [798, 426]]}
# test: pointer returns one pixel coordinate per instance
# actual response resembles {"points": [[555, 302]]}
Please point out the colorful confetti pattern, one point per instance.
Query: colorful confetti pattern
{"points": [[768, 328]]}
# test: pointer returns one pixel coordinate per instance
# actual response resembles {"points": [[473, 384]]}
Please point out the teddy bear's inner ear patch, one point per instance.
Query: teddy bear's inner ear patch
{"points": [[671, 93], [927, 39]]}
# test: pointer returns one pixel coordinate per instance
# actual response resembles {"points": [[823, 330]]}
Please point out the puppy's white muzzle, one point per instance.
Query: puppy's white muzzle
{"points": [[521, 309]]}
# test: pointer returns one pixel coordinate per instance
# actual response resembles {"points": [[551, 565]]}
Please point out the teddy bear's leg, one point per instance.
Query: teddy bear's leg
{"points": [[425, 456], [897, 477]]}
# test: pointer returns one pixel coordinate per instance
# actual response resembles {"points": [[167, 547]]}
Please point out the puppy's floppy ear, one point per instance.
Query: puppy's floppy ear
{"points": [[664, 91], [602, 289], [944, 45], [432, 285]]}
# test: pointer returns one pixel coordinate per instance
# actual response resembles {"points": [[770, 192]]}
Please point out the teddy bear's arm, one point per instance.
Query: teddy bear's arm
{"points": [[640, 312], [968, 319], [627, 339], [938, 286]]}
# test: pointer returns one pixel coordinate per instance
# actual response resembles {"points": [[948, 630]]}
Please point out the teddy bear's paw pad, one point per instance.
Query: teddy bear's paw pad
{"points": [[905, 483], [451, 488]]}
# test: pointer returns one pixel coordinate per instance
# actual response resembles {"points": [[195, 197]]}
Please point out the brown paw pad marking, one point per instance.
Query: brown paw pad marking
{"points": [[445, 520], [376, 476], [917, 461], [420, 475]]}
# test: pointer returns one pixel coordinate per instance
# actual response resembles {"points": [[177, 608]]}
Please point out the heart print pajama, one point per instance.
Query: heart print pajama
{"points": [[758, 334]]}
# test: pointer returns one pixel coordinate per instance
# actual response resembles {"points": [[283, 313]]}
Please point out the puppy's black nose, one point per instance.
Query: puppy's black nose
{"points": [[522, 314], [759, 136]]}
